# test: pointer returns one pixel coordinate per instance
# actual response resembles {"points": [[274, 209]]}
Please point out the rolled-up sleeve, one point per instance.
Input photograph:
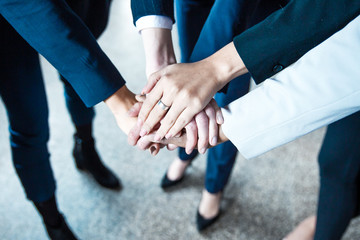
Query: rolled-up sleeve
{"points": [[53, 30]]}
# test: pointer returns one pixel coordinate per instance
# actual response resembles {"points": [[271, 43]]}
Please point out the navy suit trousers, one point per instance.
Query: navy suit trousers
{"points": [[23, 93], [339, 163], [204, 27]]}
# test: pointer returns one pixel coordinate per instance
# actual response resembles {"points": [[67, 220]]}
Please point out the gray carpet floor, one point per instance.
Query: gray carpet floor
{"points": [[265, 198]]}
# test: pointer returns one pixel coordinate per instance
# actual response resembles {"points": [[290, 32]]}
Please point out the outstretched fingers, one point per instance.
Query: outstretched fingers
{"points": [[202, 123], [151, 111], [212, 126], [218, 114], [191, 136]]}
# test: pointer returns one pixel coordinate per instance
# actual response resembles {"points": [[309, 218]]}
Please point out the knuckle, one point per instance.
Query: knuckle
{"points": [[202, 119], [210, 111], [196, 103], [181, 122], [161, 132], [146, 126], [170, 121], [191, 127]]}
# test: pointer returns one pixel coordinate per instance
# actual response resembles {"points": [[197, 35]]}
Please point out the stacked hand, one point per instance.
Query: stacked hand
{"points": [[201, 131], [178, 92], [120, 103], [179, 96]]}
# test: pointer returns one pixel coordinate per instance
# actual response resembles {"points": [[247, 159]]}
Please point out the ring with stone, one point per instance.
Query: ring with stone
{"points": [[162, 105]]}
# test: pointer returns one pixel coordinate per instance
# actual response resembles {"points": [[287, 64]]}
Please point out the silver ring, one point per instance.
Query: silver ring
{"points": [[162, 105]]}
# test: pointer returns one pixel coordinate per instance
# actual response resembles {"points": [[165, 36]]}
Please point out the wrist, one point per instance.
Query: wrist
{"points": [[226, 64], [119, 104], [159, 51]]}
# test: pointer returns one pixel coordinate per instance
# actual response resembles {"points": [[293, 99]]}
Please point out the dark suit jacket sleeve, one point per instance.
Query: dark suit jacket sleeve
{"points": [[142, 8], [52, 29], [286, 35]]}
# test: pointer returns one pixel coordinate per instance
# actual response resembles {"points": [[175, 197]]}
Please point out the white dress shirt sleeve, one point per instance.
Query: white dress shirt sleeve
{"points": [[153, 21], [320, 88]]}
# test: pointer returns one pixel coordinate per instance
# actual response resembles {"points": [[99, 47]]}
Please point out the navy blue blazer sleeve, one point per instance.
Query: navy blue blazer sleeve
{"points": [[142, 8], [286, 35], [52, 29]]}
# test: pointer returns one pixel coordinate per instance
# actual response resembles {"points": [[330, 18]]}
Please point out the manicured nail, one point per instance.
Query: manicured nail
{"points": [[220, 118], [214, 141], [139, 122], [202, 151], [143, 132], [157, 138], [131, 113], [168, 135]]}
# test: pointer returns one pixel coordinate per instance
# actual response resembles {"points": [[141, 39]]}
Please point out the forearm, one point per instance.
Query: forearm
{"points": [[52, 29], [225, 65], [286, 35], [305, 96], [158, 47]]}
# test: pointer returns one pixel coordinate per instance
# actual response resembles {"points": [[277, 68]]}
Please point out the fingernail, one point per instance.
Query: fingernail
{"points": [[220, 118], [214, 141], [130, 111], [157, 138], [143, 132], [139, 122], [203, 150], [168, 135], [152, 150]]}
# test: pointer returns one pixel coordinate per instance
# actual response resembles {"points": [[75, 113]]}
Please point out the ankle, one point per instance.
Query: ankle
{"points": [[49, 212], [305, 230], [210, 204], [177, 169], [84, 132]]}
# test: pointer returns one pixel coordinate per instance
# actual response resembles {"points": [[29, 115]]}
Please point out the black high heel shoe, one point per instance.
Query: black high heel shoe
{"points": [[61, 232], [203, 223], [166, 182]]}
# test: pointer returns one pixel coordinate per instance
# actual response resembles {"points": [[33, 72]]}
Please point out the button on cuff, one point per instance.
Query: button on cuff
{"points": [[277, 68]]}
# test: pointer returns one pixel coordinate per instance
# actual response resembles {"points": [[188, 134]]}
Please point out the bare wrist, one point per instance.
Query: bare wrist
{"points": [[226, 64], [119, 104], [159, 51]]}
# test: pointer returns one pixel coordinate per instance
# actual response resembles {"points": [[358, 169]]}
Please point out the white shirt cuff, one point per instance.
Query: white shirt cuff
{"points": [[153, 21]]}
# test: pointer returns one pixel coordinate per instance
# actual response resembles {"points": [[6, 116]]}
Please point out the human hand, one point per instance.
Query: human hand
{"points": [[181, 140], [186, 89], [120, 103], [201, 131]]}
